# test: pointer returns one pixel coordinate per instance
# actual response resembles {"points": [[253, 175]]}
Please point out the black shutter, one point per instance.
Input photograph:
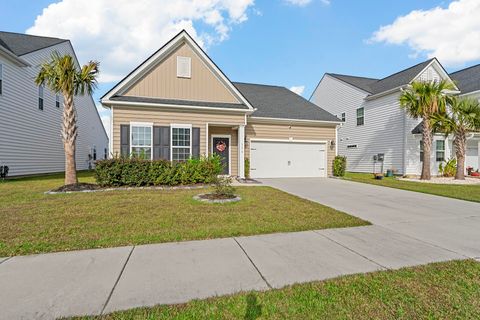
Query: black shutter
{"points": [[124, 140], [195, 142], [161, 143]]}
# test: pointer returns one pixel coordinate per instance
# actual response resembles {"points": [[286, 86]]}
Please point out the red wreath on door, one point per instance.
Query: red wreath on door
{"points": [[221, 146]]}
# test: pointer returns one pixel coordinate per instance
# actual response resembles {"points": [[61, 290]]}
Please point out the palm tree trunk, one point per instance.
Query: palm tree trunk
{"points": [[427, 150], [460, 146], [69, 135]]}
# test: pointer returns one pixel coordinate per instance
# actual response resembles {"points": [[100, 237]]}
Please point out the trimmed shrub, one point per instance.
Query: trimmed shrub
{"points": [[139, 172], [339, 166]]}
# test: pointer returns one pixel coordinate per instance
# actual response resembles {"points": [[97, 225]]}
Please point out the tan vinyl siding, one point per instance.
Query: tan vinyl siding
{"points": [[295, 132], [162, 117], [162, 81], [233, 145]]}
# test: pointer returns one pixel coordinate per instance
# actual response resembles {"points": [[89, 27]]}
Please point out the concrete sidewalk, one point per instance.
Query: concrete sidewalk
{"points": [[92, 282]]}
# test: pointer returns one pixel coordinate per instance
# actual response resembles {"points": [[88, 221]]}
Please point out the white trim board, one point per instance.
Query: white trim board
{"points": [[229, 136]]}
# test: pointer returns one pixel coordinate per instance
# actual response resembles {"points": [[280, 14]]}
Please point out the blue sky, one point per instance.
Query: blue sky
{"points": [[284, 42]]}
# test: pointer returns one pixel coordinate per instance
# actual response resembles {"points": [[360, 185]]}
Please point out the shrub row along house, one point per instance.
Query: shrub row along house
{"points": [[374, 123], [30, 115], [178, 104]]}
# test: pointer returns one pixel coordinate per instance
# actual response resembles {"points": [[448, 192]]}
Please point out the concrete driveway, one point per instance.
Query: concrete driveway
{"points": [[447, 223], [408, 229]]}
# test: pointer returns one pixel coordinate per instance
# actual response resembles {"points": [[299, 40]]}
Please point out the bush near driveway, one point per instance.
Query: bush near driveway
{"points": [[339, 166], [139, 172]]}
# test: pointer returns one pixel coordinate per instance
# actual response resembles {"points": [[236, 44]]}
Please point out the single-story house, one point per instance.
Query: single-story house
{"points": [[179, 104]]}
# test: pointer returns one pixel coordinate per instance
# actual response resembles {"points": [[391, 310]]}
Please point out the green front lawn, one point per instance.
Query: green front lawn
{"points": [[463, 192], [32, 222], [449, 290]]}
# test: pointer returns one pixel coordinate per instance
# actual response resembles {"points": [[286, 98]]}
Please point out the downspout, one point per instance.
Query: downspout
{"points": [[110, 140]]}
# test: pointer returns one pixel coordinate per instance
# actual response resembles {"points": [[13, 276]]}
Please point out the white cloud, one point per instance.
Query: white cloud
{"points": [[298, 89], [451, 34], [300, 3], [122, 33], [326, 2]]}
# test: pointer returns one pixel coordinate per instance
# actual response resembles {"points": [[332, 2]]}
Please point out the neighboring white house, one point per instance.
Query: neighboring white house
{"points": [[374, 123], [31, 116]]}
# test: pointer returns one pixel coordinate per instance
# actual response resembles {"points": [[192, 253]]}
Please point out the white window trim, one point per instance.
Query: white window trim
{"points": [[444, 150], [229, 136], [180, 126], [357, 117], [41, 89], [183, 59], [145, 125]]}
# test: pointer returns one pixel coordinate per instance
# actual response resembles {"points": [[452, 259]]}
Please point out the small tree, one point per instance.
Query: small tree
{"points": [[424, 100], [463, 116], [61, 75]]}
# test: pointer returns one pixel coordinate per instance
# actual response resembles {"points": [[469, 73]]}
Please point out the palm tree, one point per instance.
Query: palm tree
{"points": [[462, 117], [424, 100], [61, 75]]}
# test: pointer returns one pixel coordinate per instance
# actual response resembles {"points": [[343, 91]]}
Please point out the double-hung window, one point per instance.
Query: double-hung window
{"points": [[421, 150], [1, 79], [57, 101], [40, 97], [343, 117], [440, 150], [360, 116], [141, 140], [181, 143]]}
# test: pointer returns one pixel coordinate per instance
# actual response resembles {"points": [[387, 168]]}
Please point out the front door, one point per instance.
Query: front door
{"points": [[221, 146]]}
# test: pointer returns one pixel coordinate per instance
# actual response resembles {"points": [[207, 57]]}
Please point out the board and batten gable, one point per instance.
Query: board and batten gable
{"points": [[30, 139], [162, 81]]}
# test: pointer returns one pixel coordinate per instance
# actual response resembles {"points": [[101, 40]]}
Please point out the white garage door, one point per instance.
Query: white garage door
{"points": [[287, 159]]}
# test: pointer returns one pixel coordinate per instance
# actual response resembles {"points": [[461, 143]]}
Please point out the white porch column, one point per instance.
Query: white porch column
{"points": [[448, 152], [241, 151]]}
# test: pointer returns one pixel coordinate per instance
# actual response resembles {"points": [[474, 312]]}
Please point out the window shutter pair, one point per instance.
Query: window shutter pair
{"points": [[161, 142]]}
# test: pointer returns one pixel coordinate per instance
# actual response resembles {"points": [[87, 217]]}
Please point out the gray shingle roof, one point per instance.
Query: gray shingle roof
{"points": [[359, 82], [21, 44], [180, 102], [280, 102], [399, 79], [375, 86], [468, 79]]}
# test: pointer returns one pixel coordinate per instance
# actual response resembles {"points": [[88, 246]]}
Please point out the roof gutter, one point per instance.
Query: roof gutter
{"points": [[108, 103], [284, 120], [12, 57]]}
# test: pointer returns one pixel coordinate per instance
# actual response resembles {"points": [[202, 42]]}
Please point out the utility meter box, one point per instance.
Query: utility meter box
{"points": [[381, 157]]}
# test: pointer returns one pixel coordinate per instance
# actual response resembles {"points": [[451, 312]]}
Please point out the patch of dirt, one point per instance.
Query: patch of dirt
{"points": [[213, 196], [77, 187]]}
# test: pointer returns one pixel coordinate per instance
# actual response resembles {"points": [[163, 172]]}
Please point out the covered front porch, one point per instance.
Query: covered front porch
{"points": [[228, 141]]}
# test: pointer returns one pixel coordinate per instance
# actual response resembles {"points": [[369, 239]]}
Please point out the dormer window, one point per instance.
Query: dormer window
{"points": [[184, 67]]}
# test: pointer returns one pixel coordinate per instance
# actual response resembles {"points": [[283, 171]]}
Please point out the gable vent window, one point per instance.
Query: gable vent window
{"points": [[1, 79], [184, 67], [40, 97], [57, 100]]}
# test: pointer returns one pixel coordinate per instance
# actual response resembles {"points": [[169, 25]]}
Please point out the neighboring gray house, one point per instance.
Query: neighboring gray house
{"points": [[31, 116], [374, 123]]}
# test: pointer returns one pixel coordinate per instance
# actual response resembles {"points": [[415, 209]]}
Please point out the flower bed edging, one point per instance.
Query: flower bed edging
{"points": [[199, 198]]}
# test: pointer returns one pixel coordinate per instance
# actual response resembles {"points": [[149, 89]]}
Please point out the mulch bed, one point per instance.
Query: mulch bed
{"points": [[78, 187], [213, 196]]}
